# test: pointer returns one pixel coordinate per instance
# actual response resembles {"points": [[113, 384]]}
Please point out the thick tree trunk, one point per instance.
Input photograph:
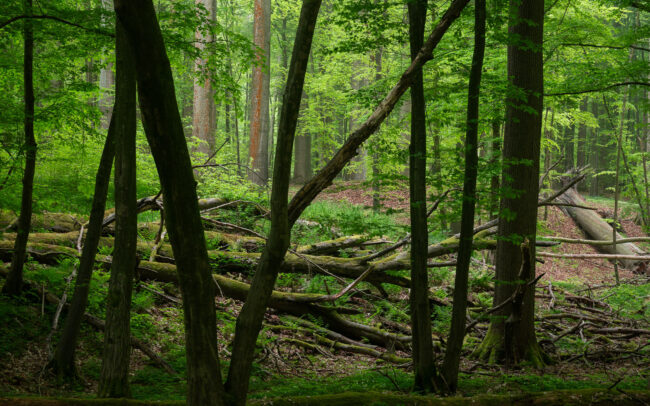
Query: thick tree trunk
{"points": [[13, 285], [260, 95], [250, 318], [63, 360], [113, 380], [423, 362], [518, 213], [164, 132], [459, 311], [204, 112]]}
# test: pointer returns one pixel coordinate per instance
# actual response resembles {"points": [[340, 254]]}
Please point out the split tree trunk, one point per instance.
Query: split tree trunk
{"points": [[164, 130]]}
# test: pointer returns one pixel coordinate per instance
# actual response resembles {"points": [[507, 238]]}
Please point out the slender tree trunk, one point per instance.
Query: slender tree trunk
{"points": [[581, 152], [617, 186], [203, 117], [113, 381], [260, 95], [459, 311], [14, 283], [250, 318], [164, 130], [106, 80], [376, 173], [569, 148], [494, 160], [423, 361], [63, 361], [514, 340], [594, 156]]}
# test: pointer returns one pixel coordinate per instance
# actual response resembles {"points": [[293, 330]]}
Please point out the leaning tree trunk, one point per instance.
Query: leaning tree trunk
{"points": [[514, 341], [113, 381], [14, 283], [250, 318], [63, 361], [164, 130], [423, 361], [459, 311], [349, 150]]}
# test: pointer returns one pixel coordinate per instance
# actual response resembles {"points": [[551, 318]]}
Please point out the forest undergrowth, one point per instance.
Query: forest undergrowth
{"points": [[596, 333]]}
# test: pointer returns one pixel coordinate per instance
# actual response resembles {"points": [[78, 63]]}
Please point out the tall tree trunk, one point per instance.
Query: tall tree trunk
{"points": [[594, 155], [260, 95], [423, 361], [581, 150], [164, 130], [63, 361], [113, 381], [204, 112], [494, 160], [106, 80], [569, 147], [14, 283], [514, 340], [250, 318], [376, 172], [459, 311]]}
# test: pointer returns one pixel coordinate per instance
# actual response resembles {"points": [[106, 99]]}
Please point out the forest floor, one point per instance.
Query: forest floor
{"points": [[285, 367]]}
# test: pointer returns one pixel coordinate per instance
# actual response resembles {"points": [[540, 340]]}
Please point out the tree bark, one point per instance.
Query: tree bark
{"points": [[423, 361], [204, 112], [520, 180], [13, 285], [164, 130], [459, 311], [250, 318], [260, 95], [113, 380], [63, 360]]}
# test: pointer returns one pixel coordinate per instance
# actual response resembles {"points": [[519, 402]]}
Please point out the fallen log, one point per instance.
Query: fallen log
{"points": [[597, 228]]}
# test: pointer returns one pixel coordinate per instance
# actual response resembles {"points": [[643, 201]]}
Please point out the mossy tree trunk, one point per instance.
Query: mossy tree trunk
{"points": [[164, 131], [14, 283], [520, 177], [459, 311], [250, 318], [63, 361], [423, 362], [113, 381]]}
